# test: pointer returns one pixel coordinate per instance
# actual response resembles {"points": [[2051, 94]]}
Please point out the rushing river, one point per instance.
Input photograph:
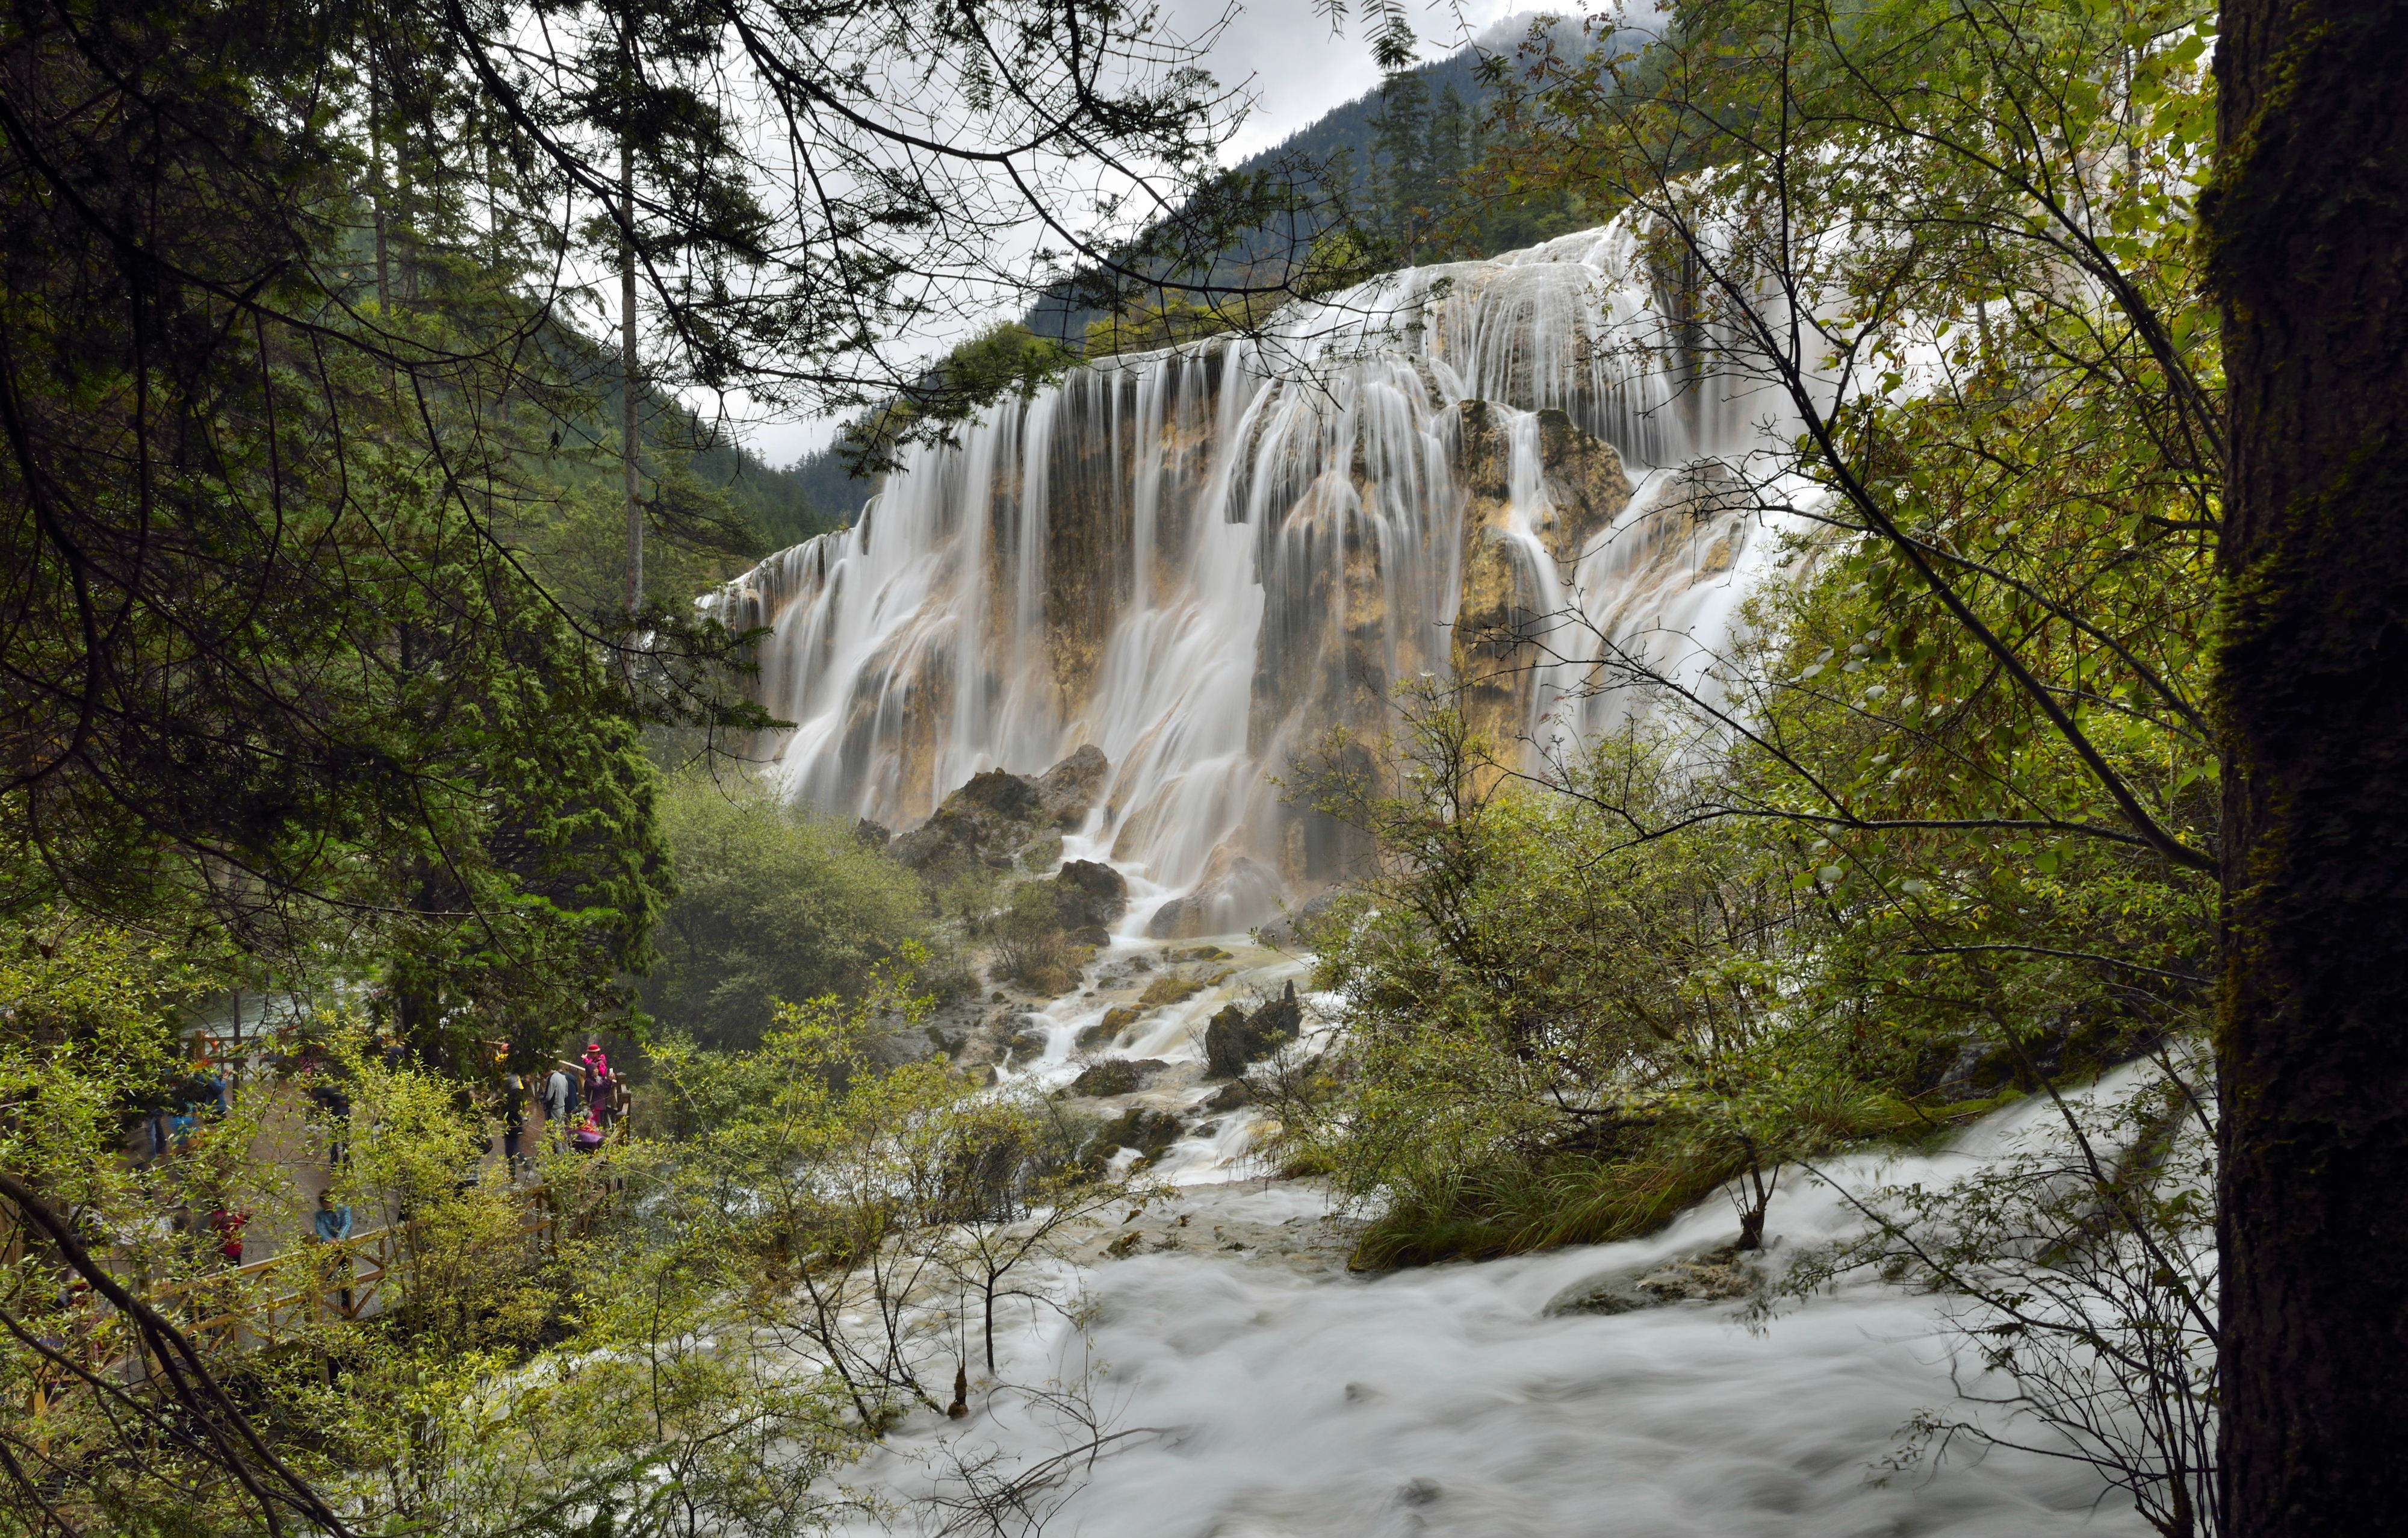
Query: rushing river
{"points": [[1271, 1393]]}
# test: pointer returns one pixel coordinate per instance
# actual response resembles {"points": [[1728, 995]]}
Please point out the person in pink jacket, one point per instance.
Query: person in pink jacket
{"points": [[597, 1083]]}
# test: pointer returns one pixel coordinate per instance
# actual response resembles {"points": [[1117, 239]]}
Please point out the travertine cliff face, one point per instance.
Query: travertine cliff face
{"points": [[1203, 562], [1538, 490]]}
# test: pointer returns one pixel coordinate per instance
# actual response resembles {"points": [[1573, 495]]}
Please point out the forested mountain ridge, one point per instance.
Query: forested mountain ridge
{"points": [[1400, 164]]}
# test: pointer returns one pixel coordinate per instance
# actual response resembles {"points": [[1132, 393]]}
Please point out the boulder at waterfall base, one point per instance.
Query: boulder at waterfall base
{"points": [[1116, 1019], [1234, 1095], [998, 814], [1235, 889], [1235, 1038], [1090, 894], [1117, 1076], [1067, 792], [1147, 1129]]}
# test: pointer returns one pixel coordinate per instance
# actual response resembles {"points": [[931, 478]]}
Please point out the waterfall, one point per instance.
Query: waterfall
{"points": [[1202, 559]]}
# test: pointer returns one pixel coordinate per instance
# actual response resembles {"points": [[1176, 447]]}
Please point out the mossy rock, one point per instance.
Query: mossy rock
{"points": [[1614, 1292], [1116, 1019], [1147, 1129], [1170, 989], [1233, 1038], [1232, 1094], [1120, 1076]]}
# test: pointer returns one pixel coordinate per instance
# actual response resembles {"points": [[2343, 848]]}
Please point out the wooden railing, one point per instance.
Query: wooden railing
{"points": [[274, 1301], [266, 1303]]}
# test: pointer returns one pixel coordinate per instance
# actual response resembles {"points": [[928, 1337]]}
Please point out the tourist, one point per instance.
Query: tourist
{"points": [[587, 1138], [228, 1222], [514, 1106], [557, 1100], [597, 1083], [337, 1106], [597, 1099], [333, 1225], [333, 1222]]}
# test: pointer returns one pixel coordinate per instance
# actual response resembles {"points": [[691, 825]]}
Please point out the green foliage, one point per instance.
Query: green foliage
{"points": [[1005, 359], [774, 903], [86, 1037], [844, 1190], [1552, 1030], [571, 530], [1031, 946], [1173, 320]]}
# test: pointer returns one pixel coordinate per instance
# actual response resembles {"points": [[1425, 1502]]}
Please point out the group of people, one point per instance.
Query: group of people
{"points": [[577, 1104], [579, 1101]]}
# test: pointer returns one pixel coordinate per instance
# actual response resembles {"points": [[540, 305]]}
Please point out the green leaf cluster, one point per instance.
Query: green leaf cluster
{"points": [[774, 902]]}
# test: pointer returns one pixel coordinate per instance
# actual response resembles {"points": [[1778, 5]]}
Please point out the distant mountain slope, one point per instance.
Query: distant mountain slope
{"points": [[1353, 129], [1408, 167]]}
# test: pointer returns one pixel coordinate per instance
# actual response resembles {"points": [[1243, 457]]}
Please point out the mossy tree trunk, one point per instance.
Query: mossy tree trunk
{"points": [[2309, 221]]}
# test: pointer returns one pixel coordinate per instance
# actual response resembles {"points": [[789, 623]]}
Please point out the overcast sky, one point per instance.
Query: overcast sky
{"points": [[1299, 70], [1296, 67]]}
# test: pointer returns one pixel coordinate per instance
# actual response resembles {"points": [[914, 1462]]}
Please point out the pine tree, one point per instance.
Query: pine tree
{"points": [[1400, 160], [1451, 152]]}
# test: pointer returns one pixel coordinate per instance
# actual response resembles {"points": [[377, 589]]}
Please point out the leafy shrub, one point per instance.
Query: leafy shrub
{"points": [[773, 903], [1030, 945]]}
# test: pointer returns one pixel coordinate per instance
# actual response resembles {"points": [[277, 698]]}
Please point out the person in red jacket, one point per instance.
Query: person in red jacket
{"points": [[229, 1223], [597, 1084]]}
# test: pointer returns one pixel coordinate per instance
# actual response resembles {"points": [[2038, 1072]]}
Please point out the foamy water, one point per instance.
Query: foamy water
{"points": [[1275, 1395]]}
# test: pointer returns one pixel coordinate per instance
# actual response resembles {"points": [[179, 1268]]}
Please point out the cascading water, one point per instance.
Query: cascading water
{"points": [[1201, 559], [1254, 1391]]}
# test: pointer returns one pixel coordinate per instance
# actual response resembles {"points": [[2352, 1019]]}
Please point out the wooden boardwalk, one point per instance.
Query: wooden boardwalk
{"points": [[264, 1304]]}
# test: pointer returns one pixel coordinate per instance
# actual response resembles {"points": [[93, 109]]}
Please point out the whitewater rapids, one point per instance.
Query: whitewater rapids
{"points": [[1278, 1396]]}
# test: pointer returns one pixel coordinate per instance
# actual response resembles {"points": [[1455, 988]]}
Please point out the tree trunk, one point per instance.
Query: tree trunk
{"points": [[630, 448], [1752, 1210], [2308, 222], [377, 199]]}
